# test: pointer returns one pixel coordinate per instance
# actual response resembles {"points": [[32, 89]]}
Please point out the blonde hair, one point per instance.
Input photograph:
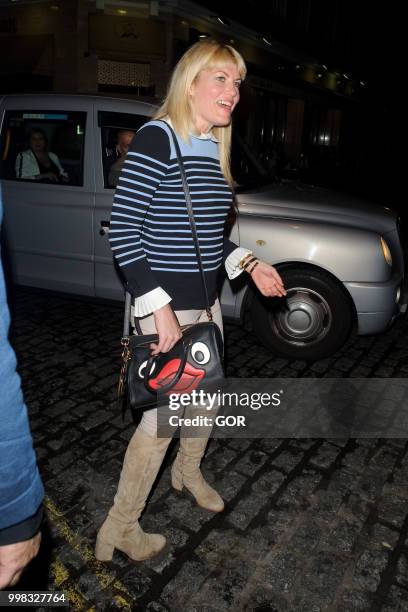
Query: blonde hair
{"points": [[205, 54]]}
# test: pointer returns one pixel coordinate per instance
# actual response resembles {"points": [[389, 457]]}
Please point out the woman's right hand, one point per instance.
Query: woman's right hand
{"points": [[168, 329]]}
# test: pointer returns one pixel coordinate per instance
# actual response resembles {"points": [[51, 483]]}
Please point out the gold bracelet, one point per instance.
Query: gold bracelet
{"points": [[253, 267], [249, 261], [242, 260]]}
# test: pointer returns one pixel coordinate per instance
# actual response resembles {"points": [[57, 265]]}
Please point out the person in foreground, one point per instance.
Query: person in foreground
{"points": [[152, 242], [21, 490]]}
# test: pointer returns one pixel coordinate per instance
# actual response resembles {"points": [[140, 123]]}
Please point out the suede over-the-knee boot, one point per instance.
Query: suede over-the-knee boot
{"points": [[185, 471], [121, 528]]}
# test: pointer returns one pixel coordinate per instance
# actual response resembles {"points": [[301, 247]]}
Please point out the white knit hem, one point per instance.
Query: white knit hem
{"points": [[150, 301]]}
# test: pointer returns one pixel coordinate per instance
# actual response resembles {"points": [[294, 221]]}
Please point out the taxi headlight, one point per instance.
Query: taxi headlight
{"points": [[386, 251]]}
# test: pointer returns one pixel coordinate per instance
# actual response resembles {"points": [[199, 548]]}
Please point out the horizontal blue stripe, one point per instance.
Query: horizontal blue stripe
{"points": [[194, 200], [184, 269], [197, 208], [195, 162], [127, 244], [125, 263], [128, 253], [129, 200], [130, 227], [133, 164], [173, 230], [182, 263], [134, 236], [133, 182], [185, 215], [122, 197], [198, 223], [123, 220], [194, 254], [151, 159], [130, 190], [153, 179], [189, 238], [179, 246], [117, 205], [193, 192]]}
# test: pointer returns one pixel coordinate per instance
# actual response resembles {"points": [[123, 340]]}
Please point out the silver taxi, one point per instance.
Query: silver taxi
{"points": [[340, 257]]}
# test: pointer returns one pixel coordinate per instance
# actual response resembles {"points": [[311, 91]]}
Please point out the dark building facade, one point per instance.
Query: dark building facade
{"points": [[302, 110]]}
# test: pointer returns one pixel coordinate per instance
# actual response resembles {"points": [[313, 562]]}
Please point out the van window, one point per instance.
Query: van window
{"points": [[117, 131], [44, 146]]}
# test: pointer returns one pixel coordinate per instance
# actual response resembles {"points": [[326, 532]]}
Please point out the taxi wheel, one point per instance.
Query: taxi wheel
{"points": [[311, 323]]}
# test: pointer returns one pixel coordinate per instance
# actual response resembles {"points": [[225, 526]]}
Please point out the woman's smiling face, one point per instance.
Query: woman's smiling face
{"points": [[214, 95]]}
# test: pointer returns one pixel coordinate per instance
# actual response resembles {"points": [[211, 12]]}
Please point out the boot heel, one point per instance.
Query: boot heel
{"points": [[104, 551]]}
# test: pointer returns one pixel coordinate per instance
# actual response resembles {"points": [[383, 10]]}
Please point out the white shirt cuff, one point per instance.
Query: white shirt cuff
{"points": [[232, 262], [150, 301]]}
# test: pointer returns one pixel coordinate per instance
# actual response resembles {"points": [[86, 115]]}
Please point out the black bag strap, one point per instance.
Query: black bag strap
{"points": [[191, 218], [126, 318], [189, 205]]}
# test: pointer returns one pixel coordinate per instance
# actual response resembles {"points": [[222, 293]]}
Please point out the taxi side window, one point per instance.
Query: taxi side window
{"points": [[117, 132], [43, 146]]}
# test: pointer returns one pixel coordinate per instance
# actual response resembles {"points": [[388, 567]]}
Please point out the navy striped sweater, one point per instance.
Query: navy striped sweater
{"points": [[150, 233]]}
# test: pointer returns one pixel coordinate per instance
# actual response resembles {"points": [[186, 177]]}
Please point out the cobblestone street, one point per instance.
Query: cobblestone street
{"points": [[309, 525]]}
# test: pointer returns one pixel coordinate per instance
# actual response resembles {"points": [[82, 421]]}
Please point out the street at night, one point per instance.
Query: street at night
{"points": [[230, 166], [309, 524]]}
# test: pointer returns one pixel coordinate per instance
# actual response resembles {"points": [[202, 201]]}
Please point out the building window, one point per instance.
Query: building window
{"points": [[302, 16], [278, 8], [325, 127], [261, 136], [266, 127], [129, 77]]}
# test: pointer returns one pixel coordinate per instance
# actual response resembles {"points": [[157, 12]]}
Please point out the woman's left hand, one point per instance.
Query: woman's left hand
{"points": [[268, 281]]}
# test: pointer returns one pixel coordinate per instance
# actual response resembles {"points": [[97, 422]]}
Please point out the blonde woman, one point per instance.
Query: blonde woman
{"points": [[152, 242]]}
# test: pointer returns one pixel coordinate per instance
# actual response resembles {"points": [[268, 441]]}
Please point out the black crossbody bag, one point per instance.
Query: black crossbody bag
{"points": [[194, 362]]}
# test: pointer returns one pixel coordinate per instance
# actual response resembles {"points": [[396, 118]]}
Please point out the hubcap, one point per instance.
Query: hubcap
{"points": [[306, 319]]}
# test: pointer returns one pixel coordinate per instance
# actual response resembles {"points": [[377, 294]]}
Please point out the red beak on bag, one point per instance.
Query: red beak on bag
{"points": [[189, 380]]}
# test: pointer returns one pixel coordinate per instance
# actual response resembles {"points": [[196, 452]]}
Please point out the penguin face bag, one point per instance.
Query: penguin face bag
{"points": [[194, 363]]}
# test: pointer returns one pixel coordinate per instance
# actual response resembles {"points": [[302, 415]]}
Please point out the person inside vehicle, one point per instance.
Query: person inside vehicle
{"points": [[116, 157], [37, 163]]}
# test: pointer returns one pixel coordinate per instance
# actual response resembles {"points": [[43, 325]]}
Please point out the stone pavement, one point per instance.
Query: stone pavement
{"points": [[310, 524]]}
